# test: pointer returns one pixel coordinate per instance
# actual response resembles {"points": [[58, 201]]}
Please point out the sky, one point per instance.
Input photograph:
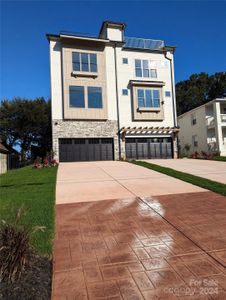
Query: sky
{"points": [[197, 28]]}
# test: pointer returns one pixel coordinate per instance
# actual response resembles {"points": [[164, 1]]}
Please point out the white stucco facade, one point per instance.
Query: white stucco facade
{"points": [[119, 89], [209, 131]]}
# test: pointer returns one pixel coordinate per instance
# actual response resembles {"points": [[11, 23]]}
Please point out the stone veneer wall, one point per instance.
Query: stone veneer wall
{"points": [[84, 129]]}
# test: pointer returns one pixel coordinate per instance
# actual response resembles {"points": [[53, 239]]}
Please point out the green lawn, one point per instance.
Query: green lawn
{"points": [[220, 158], [35, 190], [214, 186]]}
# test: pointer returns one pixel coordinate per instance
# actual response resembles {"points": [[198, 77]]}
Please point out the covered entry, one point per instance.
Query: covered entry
{"points": [[138, 148], [86, 149]]}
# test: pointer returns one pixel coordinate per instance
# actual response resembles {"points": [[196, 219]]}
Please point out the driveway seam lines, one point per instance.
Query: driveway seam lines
{"points": [[200, 247]]}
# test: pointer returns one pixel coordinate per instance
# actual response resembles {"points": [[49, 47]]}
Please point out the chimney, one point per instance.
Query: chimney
{"points": [[113, 31]]}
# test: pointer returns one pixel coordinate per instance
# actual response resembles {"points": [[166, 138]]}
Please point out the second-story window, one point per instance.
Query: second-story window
{"points": [[77, 96], [148, 98], [193, 119], [84, 62], [144, 68], [94, 97]]}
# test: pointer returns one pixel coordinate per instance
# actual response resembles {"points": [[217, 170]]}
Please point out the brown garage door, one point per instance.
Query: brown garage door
{"points": [[86, 149], [138, 148]]}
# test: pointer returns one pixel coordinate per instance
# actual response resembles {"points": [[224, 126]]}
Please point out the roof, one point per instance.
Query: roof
{"points": [[207, 103], [3, 149], [129, 43]]}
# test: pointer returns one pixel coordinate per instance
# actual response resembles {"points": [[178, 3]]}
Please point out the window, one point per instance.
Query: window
{"points": [[85, 62], [125, 60], [195, 141], [193, 119], [167, 93], [124, 92], [77, 98], [148, 98], [145, 68], [94, 97]]}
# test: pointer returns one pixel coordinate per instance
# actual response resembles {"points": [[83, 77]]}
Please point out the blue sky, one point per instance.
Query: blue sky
{"points": [[196, 28]]}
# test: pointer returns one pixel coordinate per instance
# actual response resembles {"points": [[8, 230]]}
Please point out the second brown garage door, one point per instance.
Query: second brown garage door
{"points": [[86, 149], [138, 148]]}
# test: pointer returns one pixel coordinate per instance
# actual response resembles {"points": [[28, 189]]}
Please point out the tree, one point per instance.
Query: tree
{"points": [[25, 122], [199, 89]]}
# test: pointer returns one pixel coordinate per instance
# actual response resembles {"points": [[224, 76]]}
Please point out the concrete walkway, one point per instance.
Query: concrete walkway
{"points": [[93, 181], [210, 169], [134, 245]]}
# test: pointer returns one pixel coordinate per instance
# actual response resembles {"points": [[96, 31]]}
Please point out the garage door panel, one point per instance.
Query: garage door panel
{"points": [[86, 149], [143, 148]]}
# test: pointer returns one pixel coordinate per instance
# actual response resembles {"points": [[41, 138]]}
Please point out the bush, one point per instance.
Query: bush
{"points": [[195, 154], [47, 162]]}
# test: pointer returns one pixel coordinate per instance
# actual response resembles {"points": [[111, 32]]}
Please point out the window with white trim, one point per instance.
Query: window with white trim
{"points": [[84, 62], [145, 68], [148, 97]]}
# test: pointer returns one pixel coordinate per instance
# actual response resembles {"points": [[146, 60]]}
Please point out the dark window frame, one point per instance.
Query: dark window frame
{"points": [[91, 63], [152, 99], [89, 88], [72, 88]]}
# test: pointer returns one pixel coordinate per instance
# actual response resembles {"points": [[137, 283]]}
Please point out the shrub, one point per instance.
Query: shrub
{"points": [[38, 163], [53, 163], [45, 163], [195, 154]]}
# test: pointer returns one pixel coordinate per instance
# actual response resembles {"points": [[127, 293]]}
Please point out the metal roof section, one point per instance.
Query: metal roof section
{"points": [[141, 43]]}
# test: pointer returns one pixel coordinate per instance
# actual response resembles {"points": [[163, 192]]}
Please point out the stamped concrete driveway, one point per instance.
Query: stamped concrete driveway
{"points": [[210, 169], [126, 232]]}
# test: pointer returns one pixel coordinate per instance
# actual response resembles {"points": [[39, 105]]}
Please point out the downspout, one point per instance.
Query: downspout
{"points": [[173, 98], [117, 100], [173, 93]]}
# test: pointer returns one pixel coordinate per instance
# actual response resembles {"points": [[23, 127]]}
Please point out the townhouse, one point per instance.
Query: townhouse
{"points": [[113, 96], [204, 128]]}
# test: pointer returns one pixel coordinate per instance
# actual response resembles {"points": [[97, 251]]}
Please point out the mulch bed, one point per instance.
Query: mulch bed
{"points": [[34, 284]]}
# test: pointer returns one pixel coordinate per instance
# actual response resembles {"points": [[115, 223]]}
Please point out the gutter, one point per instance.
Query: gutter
{"points": [[117, 100]]}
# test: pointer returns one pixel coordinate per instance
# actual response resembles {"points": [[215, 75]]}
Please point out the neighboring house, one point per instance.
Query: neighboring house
{"points": [[112, 96], [204, 128], [3, 158]]}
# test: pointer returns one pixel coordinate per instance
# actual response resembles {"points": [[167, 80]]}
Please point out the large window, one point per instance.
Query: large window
{"points": [[85, 97], [145, 68], [77, 98], [148, 98], [85, 62], [94, 97]]}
